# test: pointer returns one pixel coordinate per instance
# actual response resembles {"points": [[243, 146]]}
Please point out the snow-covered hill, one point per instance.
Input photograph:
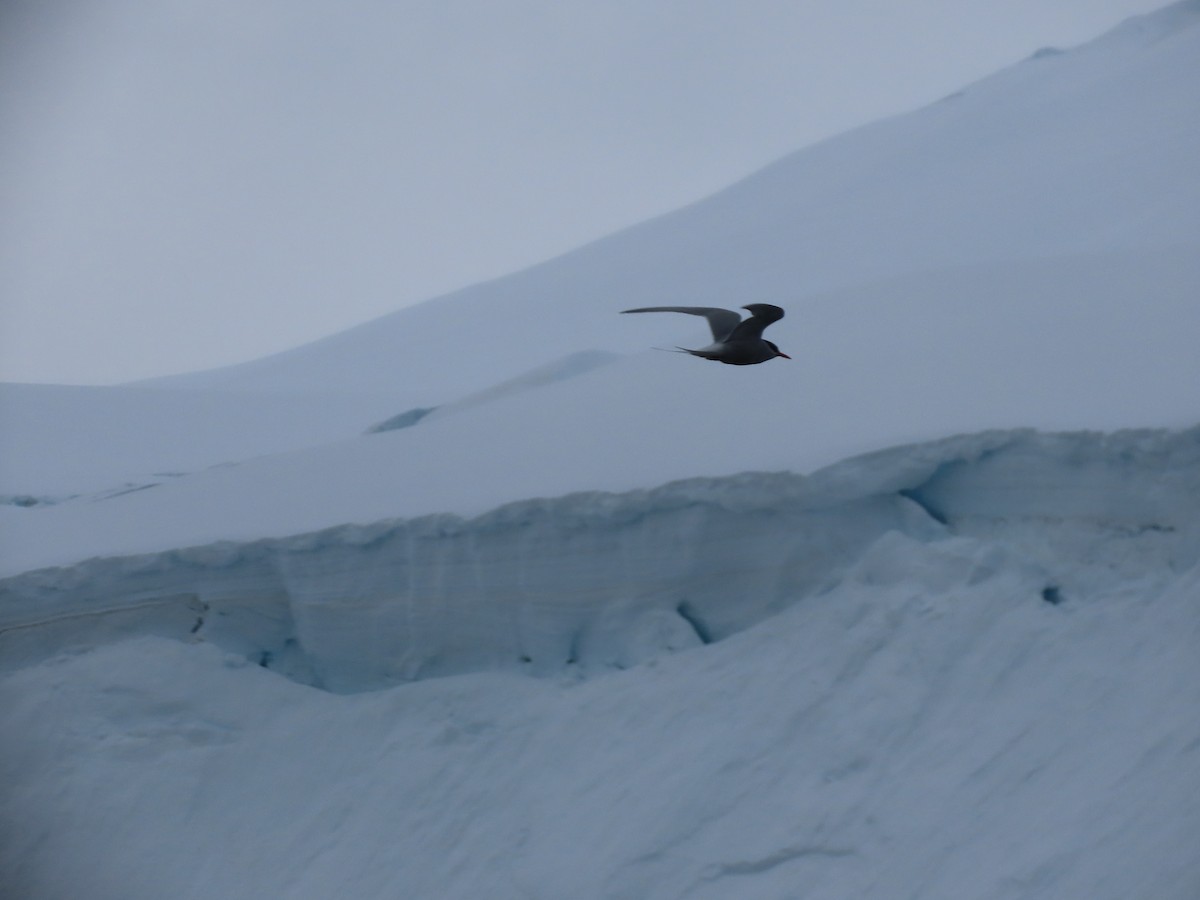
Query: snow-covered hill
{"points": [[963, 670], [1021, 254], [1076, 153], [1055, 344], [489, 599]]}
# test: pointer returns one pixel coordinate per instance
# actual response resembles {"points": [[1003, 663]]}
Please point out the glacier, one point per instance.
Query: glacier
{"points": [[965, 668], [912, 616], [594, 581]]}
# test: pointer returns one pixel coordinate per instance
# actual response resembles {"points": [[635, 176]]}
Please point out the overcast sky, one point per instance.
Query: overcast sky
{"points": [[191, 183]]}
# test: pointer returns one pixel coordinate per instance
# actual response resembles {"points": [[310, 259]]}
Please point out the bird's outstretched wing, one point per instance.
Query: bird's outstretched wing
{"points": [[761, 315], [721, 321]]}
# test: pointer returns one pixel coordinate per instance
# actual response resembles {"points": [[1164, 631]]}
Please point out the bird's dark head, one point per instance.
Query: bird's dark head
{"points": [[778, 352], [765, 311]]}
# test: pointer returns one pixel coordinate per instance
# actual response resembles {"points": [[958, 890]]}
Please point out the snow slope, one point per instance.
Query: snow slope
{"points": [[1055, 344], [788, 638], [983, 687], [1081, 152], [61, 441], [593, 580], [1022, 254]]}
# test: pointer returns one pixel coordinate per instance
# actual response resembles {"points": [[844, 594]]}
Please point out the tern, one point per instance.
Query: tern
{"points": [[736, 341]]}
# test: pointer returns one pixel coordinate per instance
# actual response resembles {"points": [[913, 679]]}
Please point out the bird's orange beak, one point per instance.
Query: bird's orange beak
{"points": [[781, 353]]}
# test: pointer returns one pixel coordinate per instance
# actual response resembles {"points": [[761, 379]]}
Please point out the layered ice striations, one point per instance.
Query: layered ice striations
{"points": [[594, 581], [579, 583]]}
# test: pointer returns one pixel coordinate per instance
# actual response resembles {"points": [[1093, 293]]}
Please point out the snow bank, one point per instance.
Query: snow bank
{"points": [[965, 669], [597, 581]]}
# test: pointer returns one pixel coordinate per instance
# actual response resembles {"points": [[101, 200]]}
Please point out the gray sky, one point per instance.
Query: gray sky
{"points": [[191, 183]]}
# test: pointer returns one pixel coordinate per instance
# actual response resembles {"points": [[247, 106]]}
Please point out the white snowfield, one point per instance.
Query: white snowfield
{"points": [[1063, 157], [1023, 254], [489, 599], [966, 669], [1056, 346]]}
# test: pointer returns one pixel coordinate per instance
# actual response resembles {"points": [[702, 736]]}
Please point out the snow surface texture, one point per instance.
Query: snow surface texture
{"points": [[965, 669]]}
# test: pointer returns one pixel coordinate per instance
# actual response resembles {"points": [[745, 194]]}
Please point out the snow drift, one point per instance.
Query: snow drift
{"points": [[597, 581], [964, 669]]}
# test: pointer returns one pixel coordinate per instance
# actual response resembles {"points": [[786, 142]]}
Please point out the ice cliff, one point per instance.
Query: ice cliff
{"points": [[598, 581], [960, 669]]}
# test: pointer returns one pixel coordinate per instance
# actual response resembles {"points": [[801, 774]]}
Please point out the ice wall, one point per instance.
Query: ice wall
{"points": [[595, 581]]}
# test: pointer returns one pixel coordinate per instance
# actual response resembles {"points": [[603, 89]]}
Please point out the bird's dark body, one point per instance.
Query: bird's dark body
{"points": [[736, 341]]}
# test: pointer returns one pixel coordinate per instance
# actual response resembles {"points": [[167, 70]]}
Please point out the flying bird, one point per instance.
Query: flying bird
{"points": [[736, 341]]}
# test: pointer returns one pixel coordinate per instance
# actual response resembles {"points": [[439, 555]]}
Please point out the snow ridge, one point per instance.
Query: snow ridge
{"points": [[973, 675], [594, 581]]}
